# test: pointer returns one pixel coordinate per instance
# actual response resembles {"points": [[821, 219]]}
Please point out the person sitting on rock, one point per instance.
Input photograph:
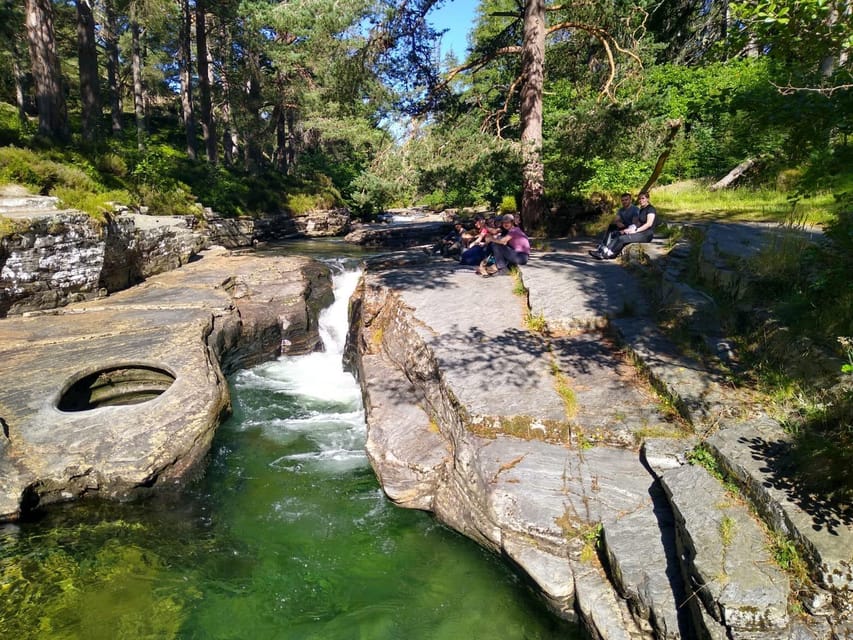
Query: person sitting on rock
{"points": [[476, 250], [625, 217], [643, 231], [510, 248], [452, 244]]}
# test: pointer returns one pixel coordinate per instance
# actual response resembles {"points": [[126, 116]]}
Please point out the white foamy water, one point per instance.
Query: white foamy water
{"points": [[320, 402]]}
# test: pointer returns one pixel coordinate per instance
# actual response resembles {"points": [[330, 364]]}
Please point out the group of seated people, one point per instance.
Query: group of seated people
{"points": [[632, 224], [497, 244], [494, 245]]}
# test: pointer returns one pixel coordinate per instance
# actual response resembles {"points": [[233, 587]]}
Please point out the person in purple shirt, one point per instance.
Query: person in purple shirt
{"points": [[510, 248]]}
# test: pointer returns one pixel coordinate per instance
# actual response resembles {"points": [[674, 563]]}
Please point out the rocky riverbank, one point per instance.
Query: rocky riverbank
{"points": [[120, 396], [532, 417]]}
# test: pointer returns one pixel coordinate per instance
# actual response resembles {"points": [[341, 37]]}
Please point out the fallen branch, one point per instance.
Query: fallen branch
{"points": [[734, 175], [674, 127]]}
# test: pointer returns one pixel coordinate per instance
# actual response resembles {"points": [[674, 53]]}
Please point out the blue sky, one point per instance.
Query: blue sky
{"points": [[457, 16]]}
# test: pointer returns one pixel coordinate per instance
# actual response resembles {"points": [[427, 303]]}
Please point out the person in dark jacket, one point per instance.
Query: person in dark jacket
{"points": [[643, 231]]}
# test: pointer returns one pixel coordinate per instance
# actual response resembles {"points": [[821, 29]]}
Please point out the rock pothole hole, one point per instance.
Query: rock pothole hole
{"points": [[116, 386]]}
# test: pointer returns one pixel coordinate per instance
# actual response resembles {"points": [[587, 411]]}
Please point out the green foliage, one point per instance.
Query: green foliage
{"points": [[846, 343], [40, 172], [301, 203], [615, 176], [12, 130], [97, 205], [508, 205], [701, 456], [788, 557], [803, 33], [371, 193]]}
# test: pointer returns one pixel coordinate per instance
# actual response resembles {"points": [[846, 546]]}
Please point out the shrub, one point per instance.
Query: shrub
{"points": [[178, 201], [508, 205], [112, 163], [301, 203], [41, 173], [12, 130], [97, 205]]}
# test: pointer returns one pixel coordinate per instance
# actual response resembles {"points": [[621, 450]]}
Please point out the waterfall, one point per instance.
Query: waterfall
{"points": [[311, 396]]}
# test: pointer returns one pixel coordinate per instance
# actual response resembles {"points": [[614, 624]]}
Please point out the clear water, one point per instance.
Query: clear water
{"points": [[287, 535]]}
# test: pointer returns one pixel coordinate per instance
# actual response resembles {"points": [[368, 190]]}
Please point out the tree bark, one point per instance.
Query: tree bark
{"points": [[208, 129], [87, 55], [47, 73], [253, 102], [136, 64], [533, 71], [111, 46], [674, 126], [230, 134], [20, 100], [734, 175], [185, 67]]}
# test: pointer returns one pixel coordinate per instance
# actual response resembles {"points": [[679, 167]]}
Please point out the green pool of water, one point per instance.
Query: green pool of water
{"points": [[287, 535]]}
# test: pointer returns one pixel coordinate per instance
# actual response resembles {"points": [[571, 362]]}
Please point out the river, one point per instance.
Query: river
{"points": [[286, 535]]}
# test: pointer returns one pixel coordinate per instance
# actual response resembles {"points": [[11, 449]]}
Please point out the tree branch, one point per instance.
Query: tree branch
{"points": [[824, 91], [605, 38]]}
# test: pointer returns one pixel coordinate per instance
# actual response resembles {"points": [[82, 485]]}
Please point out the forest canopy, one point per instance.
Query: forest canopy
{"points": [[237, 104]]}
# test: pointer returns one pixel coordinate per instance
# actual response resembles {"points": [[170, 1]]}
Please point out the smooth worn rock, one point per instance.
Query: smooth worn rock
{"points": [[398, 235], [725, 555], [475, 376], [756, 453], [120, 396], [651, 581], [510, 410]]}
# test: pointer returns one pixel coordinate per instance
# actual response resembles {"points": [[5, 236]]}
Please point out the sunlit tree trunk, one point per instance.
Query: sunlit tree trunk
{"points": [[533, 65], [208, 129], [87, 55], [47, 74], [230, 132], [20, 101], [185, 67], [111, 46], [136, 64]]}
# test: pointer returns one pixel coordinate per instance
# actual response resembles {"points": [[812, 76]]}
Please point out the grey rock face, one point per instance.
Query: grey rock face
{"points": [[725, 556], [398, 235], [754, 452], [528, 443], [55, 258]]}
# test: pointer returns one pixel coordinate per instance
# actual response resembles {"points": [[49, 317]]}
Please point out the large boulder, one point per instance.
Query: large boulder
{"points": [[121, 396]]}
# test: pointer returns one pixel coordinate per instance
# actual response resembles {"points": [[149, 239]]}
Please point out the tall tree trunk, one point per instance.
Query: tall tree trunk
{"points": [[185, 72], [20, 100], [208, 129], [294, 139], [47, 73], [111, 45], [533, 71], [253, 132], [136, 64], [230, 134], [280, 153], [87, 55]]}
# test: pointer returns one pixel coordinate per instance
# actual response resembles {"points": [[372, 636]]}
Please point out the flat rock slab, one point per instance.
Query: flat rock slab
{"points": [[725, 555], [153, 354], [475, 328], [755, 452], [570, 289]]}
